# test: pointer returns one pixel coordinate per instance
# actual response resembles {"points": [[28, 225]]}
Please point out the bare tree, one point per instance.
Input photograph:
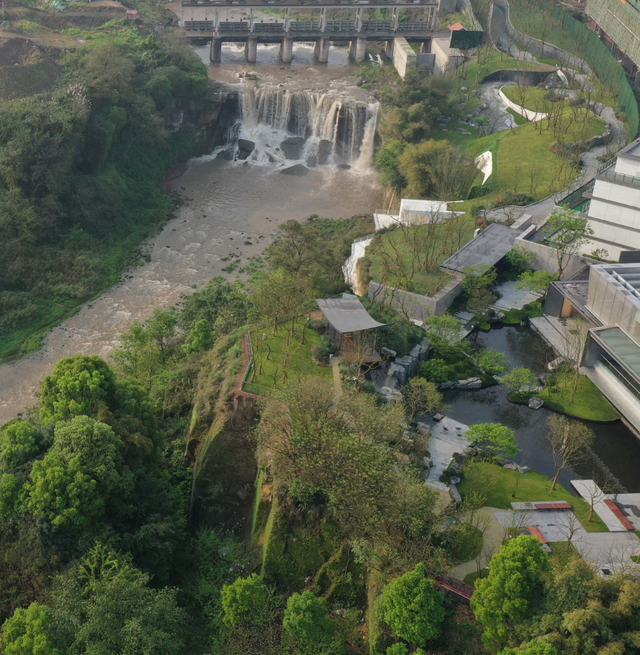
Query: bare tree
{"points": [[568, 527], [575, 335], [569, 441]]}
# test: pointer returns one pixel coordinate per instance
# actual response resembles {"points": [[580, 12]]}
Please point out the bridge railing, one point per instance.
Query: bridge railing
{"points": [[198, 25], [234, 27], [268, 27], [304, 26], [407, 26], [340, 26], [377, 26]]}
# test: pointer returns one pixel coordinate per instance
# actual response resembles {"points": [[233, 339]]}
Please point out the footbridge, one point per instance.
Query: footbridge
{"points": [[209, 21]]}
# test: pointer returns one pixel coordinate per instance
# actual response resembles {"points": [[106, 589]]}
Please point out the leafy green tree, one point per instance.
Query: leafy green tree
{"points": [[499, 437], [388, 162], [568, 232], [306, 621], [444, 332], [519, 379], [435, 370], [82, 384], [519, 258], [508, 595], [246, 600], [491, 361], [110, 608], [535, 647], [421, 396], [19, 443], [200, 338], [536, 281], [31, 631], [222, 305], [412, 607]]}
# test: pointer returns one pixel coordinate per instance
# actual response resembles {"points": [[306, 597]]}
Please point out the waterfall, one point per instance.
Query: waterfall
{"points": [[335, 130]]}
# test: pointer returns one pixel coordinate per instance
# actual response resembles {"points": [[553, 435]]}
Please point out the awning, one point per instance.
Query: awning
{"points": [[347, 315]]}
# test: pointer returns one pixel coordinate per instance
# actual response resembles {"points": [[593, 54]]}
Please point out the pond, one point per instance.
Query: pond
{"points": [[615, 447]]}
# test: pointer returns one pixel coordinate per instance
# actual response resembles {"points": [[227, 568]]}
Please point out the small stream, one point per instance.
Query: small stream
{"points": [[615, 446]]}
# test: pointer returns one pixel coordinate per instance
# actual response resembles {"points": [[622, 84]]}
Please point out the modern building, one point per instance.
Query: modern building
{"points": [[608, 299], [618, 21]]}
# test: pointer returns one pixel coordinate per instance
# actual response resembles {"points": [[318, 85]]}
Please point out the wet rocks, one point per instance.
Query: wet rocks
{"points": [[292, 147], [299, 170], [245, 148], [226, 155], [325, 149], [470, 383], [312, 161], [535, 402], [344, 167]]}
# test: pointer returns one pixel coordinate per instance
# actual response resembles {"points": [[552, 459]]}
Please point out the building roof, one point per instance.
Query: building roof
{"points": [[457, 27], [631, 150], [489, 247], [347, 315], [621, 345]]}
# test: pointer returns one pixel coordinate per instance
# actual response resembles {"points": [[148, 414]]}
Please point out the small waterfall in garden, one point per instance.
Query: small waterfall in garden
{"points": [[283, 127]]}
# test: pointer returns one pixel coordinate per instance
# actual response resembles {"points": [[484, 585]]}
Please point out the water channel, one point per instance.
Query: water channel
{"points": [[615, 446]]}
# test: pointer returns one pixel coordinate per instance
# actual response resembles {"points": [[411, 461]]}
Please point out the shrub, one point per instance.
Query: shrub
{"points": [[322, 353], [435, 370]]}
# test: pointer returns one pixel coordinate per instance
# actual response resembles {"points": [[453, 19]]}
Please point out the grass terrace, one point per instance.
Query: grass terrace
{"points": [[281, 357], [503, 486]]}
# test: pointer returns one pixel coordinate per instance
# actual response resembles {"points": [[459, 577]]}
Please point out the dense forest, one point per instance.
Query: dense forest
{"points": [[80, 167]]}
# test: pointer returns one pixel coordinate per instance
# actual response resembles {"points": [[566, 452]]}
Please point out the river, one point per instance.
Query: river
{"points": [[229, 208], [615, 446]]}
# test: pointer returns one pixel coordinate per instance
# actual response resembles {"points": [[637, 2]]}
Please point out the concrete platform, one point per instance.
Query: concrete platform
{"points": [[512, 298], [590, 491], [552, 330]]}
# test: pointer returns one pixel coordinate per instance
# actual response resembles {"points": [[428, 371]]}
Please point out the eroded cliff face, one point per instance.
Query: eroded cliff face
{"points": [[210, 122]]}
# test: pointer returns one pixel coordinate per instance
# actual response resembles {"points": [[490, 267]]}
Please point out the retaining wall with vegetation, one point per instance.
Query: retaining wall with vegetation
{"points": [[413, 305]]}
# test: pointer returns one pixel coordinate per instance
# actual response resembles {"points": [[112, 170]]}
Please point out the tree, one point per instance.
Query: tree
{"points": [[569, 232], [519, 379], [435, 370], [245, 601], [444, 332], [570, 442], [536, 281], [82, 384], [31, 631], [306, 620], [519, 258], [19, 443], [491, 362], [421, 396], [535, 647], [508, 594], [499, 437], [109, 607], [412, 607]]}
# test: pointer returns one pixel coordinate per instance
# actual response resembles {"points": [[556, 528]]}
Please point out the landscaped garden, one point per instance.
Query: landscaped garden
{"points": [[502, 486], [282, 356]]}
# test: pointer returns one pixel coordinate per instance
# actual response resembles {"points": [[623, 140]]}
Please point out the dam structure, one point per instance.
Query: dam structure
{"points": [[208, 22]]}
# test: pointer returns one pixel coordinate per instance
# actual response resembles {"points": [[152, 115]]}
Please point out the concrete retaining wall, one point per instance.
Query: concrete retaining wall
{"points": [[403, 56], [545, 255], [413, 305], [539, 48]]}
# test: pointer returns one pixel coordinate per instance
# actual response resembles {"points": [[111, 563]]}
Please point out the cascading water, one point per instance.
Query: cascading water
{"points": [[288, 127]]}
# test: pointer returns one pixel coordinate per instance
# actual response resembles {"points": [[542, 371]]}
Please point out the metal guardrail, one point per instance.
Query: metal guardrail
{"points": [[377, 26], [412, 27], [576, 197], [340, 26], [268, 27], [198, 25], [607, 165], [234, 27], [304, 26]]}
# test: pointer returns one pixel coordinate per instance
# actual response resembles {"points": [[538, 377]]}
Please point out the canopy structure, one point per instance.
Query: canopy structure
{"points": [[347, 315]]}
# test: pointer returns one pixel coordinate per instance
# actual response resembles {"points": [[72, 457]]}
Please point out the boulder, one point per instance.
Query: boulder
{"points": [[312, 161], [292, 147], [388, 352], [226, 155], [426, 462], [444, 386], [470, 383], [455, 480], [245, 148], [344, 167], [298, 170], [325, 148], [535, 402], [455, 494]]}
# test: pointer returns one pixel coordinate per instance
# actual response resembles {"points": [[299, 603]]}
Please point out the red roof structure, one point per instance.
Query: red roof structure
{"points": [[550, 505], [619, 515], [456, 27], [460, 589], [535, 532]]}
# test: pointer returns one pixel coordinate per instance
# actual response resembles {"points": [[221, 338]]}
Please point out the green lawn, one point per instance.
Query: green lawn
{"points": [[531, 486], [475, 72], [518, 118], [391, 259], [531, 97], [280, 359], [523, 153], [589, 402]]}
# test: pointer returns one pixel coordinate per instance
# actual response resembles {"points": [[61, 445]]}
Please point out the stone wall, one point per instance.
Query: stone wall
{"points": [[545, 255], [534, 116], [403, 56], [413, 305], [539, 48]]}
